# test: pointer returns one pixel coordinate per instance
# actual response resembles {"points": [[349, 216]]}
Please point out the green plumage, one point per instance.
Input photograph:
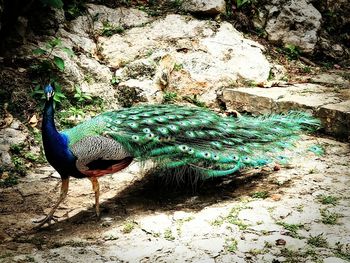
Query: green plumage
{"points": [[198, 139]]}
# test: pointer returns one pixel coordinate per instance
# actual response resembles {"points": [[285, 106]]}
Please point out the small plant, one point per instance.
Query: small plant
{"points": [[340, 251], [329, 218], [176, 3], [317, 241], [306, 69], [178, 67], [169, 97], [109, 30], [180, 222], [81, 96], [115, 81], [262, 194], [75, 8], [293, 52], [149, 52], [31, 157], [218, 222], [242, 3], [312, 171], [49, 63], [75, 112], [267, 245], [248, 82], [300, 208], [292, 228], [9, 180], [168, 235], [256, 251], [194, 100], [128, 227], [17, 148], [89, 78], [231, 245], [291, 255], [327, 199], [232, 218]]}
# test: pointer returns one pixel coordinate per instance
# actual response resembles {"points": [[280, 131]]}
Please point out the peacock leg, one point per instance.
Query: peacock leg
{"points": [[63, 194], [96, 189]]}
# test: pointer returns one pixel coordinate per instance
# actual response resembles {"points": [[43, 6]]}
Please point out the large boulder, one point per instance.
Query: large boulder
{"points": [[295, 22]]}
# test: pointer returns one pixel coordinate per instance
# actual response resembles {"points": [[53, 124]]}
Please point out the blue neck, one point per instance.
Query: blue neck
{"points": [[56, 144]]}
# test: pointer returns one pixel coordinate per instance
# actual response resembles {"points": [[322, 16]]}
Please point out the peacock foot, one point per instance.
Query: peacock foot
{"points": [[46, 220]]}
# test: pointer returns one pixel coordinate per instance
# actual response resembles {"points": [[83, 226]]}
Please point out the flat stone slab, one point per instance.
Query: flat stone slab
{"points": [[326, 103]]}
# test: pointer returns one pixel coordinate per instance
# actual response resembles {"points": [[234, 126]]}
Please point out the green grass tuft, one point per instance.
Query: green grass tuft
{"points": [[327, 199], [317, 241]]}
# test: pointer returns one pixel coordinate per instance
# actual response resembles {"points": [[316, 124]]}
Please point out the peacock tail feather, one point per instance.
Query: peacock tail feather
{"points": [[202, 141]]}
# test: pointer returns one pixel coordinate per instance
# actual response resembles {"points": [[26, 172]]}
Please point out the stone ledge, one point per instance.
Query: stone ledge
{"points": [[323, 102]]}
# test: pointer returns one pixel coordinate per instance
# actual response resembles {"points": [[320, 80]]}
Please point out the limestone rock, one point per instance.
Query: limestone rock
{"points": [[328, 105], [212, 246], [213, 56], [155, 223], [134, 91], [118, 17], [14, 134], [334, 260], [211, 7], [294, 22]]}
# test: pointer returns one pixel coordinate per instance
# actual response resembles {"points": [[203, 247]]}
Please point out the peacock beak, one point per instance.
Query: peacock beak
{"points": [[50, 95]]}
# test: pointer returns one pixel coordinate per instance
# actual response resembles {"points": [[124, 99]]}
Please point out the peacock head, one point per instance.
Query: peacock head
{"points": [[49, 91]]}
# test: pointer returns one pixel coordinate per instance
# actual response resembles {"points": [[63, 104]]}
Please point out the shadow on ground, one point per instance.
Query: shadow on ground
{"points": [[151, 194]]}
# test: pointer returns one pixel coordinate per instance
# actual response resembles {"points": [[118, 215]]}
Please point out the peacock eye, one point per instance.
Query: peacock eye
{"points": [[135, 138], [183, 148], [172, 127], [133, 125], [190, 151], [150, 135], [207, 155], [215, 157], [146, 130], [163, 130], [190, 134]]}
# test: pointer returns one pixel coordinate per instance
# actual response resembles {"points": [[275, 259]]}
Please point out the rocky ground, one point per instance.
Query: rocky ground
{"points": [[297, 214], [294, 213]]}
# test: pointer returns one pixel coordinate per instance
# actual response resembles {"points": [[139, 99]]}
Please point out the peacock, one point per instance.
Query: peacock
{"points": [[171, 136]]}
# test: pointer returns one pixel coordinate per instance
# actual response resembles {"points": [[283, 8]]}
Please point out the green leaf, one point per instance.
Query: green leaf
{"points": [[59, 62], [241, 3], [55, 42], [53, 3], [88, 97], [60, 95], [68, 51], [77, 90], [39, 51]]}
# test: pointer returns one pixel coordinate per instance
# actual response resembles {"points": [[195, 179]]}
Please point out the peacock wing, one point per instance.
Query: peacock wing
{"points": [[96, 154]]}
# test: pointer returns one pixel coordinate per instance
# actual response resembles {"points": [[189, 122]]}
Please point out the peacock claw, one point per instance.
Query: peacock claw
{"points": [[46, 220]]}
